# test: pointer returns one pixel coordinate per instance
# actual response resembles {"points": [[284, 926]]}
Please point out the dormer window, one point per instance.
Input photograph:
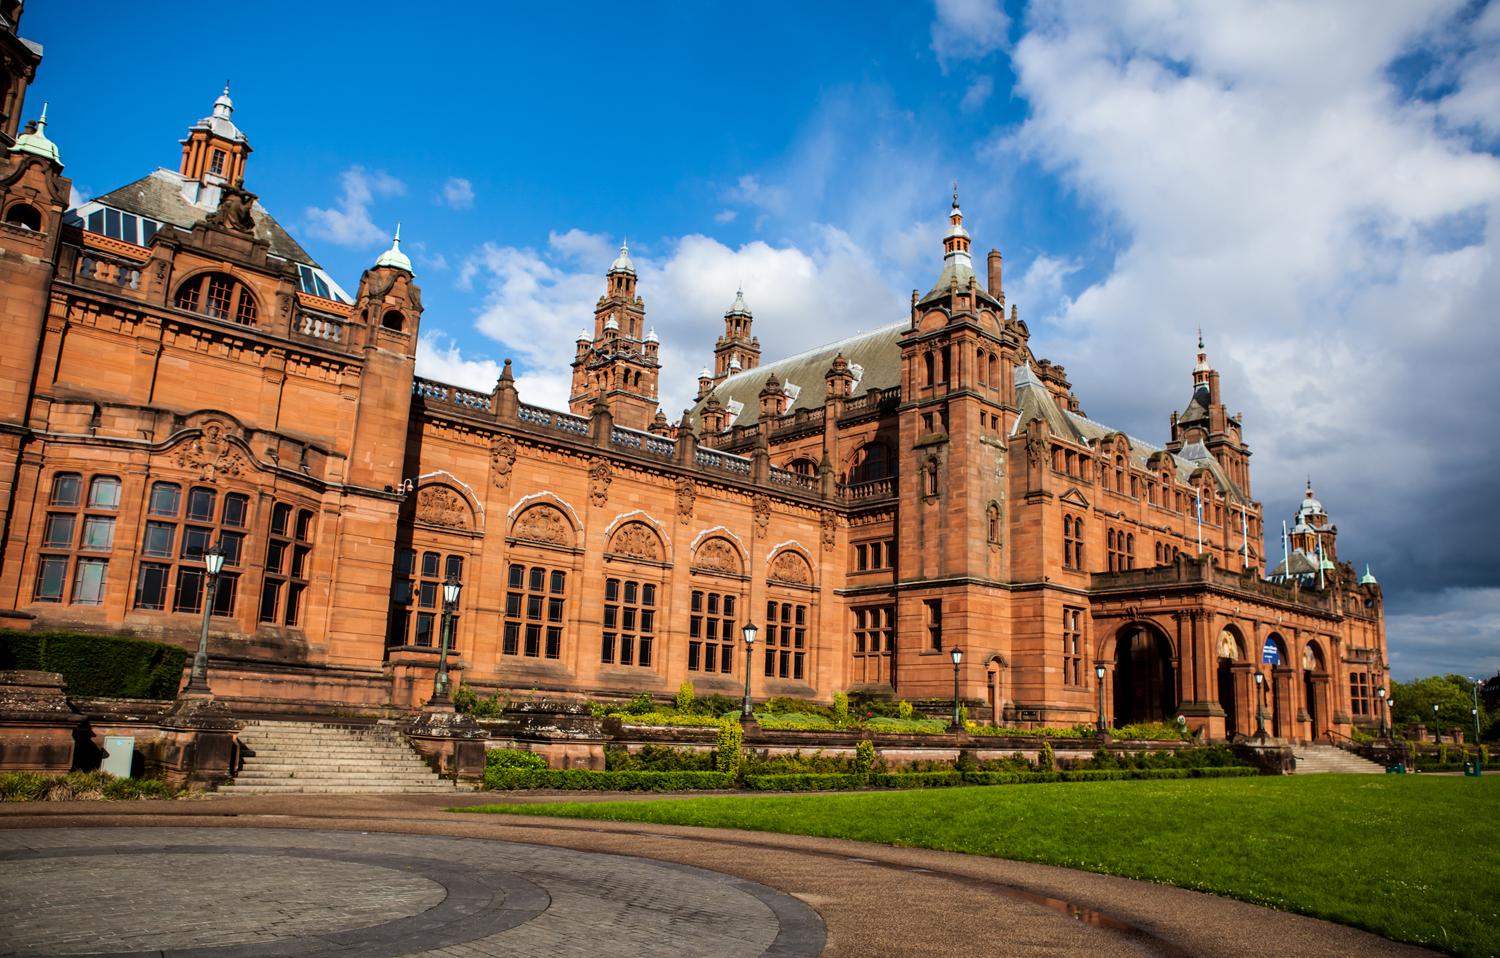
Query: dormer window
{"points": [[218, 295], [216, 165]]}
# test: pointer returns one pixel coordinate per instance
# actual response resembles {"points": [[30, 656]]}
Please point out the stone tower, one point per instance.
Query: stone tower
{"points": [[621, 362]]}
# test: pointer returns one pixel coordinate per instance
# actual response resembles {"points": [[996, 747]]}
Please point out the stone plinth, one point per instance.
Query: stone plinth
{"points": [[198, 743], [1271, 756], [38, 728], [566, 733], [451, 742]]}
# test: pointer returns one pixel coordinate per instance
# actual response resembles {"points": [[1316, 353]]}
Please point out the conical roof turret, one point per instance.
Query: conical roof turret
{"points": [[393, 257], [36, 142]]}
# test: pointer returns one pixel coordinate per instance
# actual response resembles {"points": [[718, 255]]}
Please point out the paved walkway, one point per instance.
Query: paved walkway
{"points": [[255, 877]]}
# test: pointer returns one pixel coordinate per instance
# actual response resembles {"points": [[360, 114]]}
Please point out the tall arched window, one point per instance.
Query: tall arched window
{"points": [[218, 295]]}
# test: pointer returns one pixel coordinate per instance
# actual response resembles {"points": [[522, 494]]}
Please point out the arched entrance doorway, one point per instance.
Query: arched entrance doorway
{"points": [[1231, 653], [1145, 681], [1314, 686], [1274, 661]]}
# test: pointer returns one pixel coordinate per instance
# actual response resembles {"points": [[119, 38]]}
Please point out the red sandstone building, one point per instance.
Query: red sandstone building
{"points": [[178, 371]]}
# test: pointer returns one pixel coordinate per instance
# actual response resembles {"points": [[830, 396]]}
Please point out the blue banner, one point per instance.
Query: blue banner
{"points": [[1270, 653]]}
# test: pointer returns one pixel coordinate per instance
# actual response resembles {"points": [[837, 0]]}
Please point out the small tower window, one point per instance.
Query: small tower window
{"points": [[393, 320], [216, 165], [24, 216]]}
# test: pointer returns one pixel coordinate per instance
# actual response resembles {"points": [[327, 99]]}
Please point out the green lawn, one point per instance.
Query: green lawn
{"points": [[1415, 858]]}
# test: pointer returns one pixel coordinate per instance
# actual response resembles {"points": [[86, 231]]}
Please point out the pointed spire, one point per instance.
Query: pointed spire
{"points": [[622, 263], [36, 142], [1201, 369], [393, 257], [738, 307]]}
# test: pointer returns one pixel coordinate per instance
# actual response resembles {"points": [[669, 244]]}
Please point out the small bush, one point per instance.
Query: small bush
{"points": [[470, 702], [640, 705], [796, 763], [841, 708], [684, 698], [787, 705], [797, 721], [667, 718], [1151, 732], [513, 758], [1046, 760], [657, 758], [908, 726], [996, 731], [715, 705], [128, 788], [864, 757], [916, 779], [578, 779], [24, 786], [727, 756], [904, 710], [806, 782]]}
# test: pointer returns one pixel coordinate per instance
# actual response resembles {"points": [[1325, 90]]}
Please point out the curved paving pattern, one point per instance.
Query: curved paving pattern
{"points": [[239, 893]]}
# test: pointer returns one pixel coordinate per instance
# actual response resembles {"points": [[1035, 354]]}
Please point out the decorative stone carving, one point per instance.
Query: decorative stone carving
{"points": [[211, 455], [1036, 447], [790, 567], [544, 524], [235, 204], [717, 555], [761, 507], [600, 476], [830, 530], [687, 494], [502, 460], [636, 540], [442, 506]]}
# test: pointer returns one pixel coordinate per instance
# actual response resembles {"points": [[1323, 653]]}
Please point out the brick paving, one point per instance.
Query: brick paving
{"points": [[566, 888]]}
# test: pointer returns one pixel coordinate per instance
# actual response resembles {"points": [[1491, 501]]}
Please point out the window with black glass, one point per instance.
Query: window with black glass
{"points": [[629, 622], [534, 603], [288, 564], [786, 640], [417, 597], [181, 525], [78, 531], [712, 631]]}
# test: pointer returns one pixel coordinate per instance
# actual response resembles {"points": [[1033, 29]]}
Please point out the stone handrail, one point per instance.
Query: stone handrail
{"points": [[1187, 570], [642, 441], [324, 329], [787, 477], [433, 390], [722, 461], [873, 489]]}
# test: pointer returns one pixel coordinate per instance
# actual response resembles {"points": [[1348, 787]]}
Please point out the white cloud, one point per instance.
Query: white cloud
{"points": [[1337, 241], [77, 197], [725, 216], [458, 193], [750, 191], [349, 223], [968, 29], [977, 94], [536, 301], [439, 357], [1040, 287], [1454, 632]]}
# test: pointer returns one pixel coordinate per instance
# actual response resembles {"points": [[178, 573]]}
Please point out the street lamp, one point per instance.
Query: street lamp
{"points": [[1260, 704], [1382, 693], [1099, 676], [748, 632], [1437, 733], [213, 564], [451, 588], [1474, 684], [958, 656]]}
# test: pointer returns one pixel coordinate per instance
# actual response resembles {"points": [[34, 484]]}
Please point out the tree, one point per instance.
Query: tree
{"points": [[1452, 694]]}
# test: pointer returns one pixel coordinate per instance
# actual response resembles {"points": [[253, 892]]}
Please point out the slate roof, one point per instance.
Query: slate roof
{"points": [[165, 196], [876, 353]]}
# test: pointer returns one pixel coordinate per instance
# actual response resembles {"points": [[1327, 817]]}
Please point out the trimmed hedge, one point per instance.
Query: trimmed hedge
{"points": [[842, 782], [104, 666], [513, 758], [582, 779]]}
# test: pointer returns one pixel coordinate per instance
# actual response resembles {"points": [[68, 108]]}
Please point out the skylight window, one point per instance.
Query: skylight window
{"points": [[312, 283], [121, 226]]}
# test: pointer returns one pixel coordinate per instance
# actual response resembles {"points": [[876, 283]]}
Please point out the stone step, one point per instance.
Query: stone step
{"points": [[284, 758], [250, 775], [334, 790]]}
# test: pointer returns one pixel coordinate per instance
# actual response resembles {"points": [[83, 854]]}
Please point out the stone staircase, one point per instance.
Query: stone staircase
{"points": [[286, 758], [1324, 759]]}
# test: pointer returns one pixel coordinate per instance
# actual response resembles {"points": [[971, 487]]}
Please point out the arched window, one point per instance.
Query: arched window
{"points": [[25, 216], [984, 378], [932, 476], [992, 522], [873, 461], [929, 369], [803, 467], [393, 320], [218, 295]]}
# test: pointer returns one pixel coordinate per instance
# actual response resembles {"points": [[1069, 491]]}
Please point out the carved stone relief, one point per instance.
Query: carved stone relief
{"points": [[441, 506], [211, 455], [600, 476], [830, 530], [687, 494], [717, 555], [790, 567], [761, 507], [502, 460], [544, 524], [637, 541]]}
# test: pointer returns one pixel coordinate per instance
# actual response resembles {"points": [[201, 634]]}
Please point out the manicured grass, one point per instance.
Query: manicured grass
{"points": [[1414, 858]]}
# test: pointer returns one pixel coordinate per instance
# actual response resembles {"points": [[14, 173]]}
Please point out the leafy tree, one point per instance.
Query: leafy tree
{"points": [[1452, 694]]}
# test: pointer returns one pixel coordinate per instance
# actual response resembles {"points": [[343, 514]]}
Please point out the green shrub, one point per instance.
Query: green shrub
{"points": [[908, 726], [587, 780], [966, 762], [796, 721], [787, 705], [667, 718], [1151, 732], [864, 757], [1046, 761], [470, 702], [108, 666], [818, 763], [127, 788], [715, 705], [727, 755], [657, 758], [841, 708], [904, 710], [864, 705], [997, 731], [36, 787], [916, 779], [685, 697], [641, 704], [23, 786], [806, 782], [513, 758], [963, 716]]}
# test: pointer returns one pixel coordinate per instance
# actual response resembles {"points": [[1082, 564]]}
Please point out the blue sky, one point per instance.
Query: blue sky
{"points": [[1317, 186]]}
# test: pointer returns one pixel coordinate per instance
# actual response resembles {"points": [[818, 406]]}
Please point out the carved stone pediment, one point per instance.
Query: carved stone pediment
{"points": [[211, 455], [790, 567], [718, 555], [442, 506], [636, 540], [546, 524]]}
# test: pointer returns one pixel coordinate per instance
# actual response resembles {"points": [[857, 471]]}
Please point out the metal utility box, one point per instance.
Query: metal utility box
{"points": [[119, 755]]}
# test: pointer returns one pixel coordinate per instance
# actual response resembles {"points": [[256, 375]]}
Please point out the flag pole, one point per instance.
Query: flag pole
{"points": [[1245, 536], [1199, 497], [1286, 552], [1320, 560]]}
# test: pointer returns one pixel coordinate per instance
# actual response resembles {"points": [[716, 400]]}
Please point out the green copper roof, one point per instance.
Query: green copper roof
{"points": [[37, 143], [393, 257]]}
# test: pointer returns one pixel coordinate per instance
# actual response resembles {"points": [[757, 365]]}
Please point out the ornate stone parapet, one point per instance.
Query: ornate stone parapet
{"points": [[451, 742], [38, 727]]}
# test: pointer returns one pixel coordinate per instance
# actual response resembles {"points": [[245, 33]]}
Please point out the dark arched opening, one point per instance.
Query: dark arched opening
{"points": [[1231, 650], [24, 216], [1145, 682], [393, 320]]}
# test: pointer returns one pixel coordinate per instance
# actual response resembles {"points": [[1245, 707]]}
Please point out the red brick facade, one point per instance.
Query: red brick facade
{"points": [[869, 507]]}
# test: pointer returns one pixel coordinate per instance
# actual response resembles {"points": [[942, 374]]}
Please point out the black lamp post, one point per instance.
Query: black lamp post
{"points": [[1260, 703], [1390, 710], [1437, 733], [451, 589], [213, 564], [1478, 755], [748, 632], [1381, 692], [958, 656], [1099, 681]]}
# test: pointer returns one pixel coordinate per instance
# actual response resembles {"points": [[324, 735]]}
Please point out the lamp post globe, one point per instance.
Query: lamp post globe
{"points": [[748, 633], [1099, 683], [213, 564], [452, 588], [1381, 692], [957, 654]]}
